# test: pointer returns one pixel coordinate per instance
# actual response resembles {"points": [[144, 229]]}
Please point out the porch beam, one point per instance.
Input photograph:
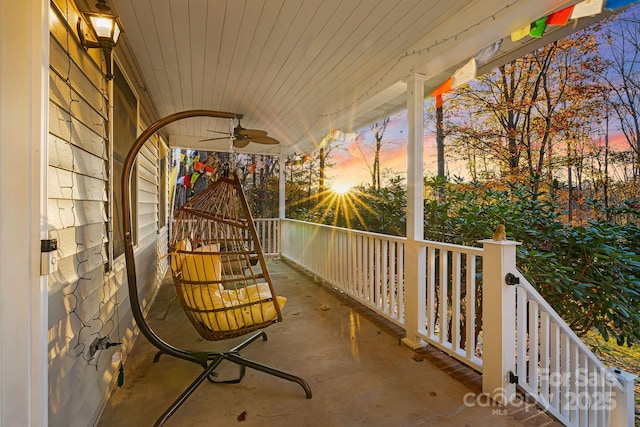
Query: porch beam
{"points": [[415, 254]]}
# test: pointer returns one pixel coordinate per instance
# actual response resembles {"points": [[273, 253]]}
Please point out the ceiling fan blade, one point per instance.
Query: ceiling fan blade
{"points": [[265, 140], [250, 133], [217, 131], [214, 139], [241, 143]]}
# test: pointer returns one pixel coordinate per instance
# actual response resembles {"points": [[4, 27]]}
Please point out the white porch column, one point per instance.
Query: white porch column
{"points": [[415, 256], [282, 186], [498, 319], [24, 76], [282, 181]]}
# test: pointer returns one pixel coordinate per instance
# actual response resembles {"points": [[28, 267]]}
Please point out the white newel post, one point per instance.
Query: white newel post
{"points": [[414, 254], [623, 414], [498, 319]]}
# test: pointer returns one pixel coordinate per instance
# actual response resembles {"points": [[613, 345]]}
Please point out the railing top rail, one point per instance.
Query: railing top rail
{"points": [[349, 231], [425, 243], [451, 247], [555, 317]]}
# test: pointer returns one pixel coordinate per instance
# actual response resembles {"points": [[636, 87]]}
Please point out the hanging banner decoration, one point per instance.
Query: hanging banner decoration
{"points": [[209, 170], [486, 54], [587, 8], [560, 17], [520, 33], [180, 180], [198, 166], [182, 156], [617, 4], [194, 177], [464, 74], [439, 101], [336, 134], [443, 88], [538, 27], [251, 168], [187, 181], [306, 158]]}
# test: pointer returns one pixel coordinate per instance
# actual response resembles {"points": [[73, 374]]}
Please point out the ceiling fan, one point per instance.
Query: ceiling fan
{"points": [[242, 137]]}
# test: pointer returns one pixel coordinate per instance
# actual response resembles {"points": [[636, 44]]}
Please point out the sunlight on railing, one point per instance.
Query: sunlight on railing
{"points": [[366, 266]]}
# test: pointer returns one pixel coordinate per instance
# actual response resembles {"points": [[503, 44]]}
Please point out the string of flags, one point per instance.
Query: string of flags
{"points": [[535, 29]]}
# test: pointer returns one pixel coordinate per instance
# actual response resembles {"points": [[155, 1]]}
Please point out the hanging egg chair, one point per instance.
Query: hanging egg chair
{"points": [[219, 270], [220, 274]]}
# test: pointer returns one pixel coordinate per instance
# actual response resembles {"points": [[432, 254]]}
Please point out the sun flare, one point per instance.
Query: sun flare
{"points": [[341, 187]]}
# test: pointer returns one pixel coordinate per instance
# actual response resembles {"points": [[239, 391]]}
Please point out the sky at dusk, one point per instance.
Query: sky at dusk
{"points": [[349, 167], [351, 162]]}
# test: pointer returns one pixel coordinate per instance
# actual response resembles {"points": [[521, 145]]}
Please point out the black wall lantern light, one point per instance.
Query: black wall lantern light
{"points": [[106, 30]]}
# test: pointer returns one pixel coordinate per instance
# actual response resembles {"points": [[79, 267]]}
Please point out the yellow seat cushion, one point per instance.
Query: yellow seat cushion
{"points": [[210, 297], [264, 311], [214, 296]]}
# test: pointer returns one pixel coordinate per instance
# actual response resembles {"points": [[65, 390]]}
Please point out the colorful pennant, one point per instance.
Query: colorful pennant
{"points": [[560, 17], [520, 33], [485, 55], [538, 27], [464, 74], [617, 4], [198, 166], [443, 88], [587, 8]]}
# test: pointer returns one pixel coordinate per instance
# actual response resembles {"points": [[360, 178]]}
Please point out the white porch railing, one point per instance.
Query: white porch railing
{"points": [[557, 369], [524, 339], [268, 230], [451, 289], [366, 266]]}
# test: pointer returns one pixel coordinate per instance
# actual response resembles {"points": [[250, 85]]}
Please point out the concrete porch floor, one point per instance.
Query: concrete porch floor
{"points": [[351, 358]]}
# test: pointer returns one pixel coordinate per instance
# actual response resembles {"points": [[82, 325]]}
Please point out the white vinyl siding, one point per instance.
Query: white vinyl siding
{"points": [[87, 296]]}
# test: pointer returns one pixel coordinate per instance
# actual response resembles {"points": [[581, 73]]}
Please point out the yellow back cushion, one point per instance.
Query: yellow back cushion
{"points": [[178, 257]]}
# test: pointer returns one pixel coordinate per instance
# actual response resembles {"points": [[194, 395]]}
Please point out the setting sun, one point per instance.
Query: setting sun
{"points": [[341, 187]]}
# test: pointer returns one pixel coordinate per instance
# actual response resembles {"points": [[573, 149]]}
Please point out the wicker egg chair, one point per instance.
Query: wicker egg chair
{"points": [[219, 270]]}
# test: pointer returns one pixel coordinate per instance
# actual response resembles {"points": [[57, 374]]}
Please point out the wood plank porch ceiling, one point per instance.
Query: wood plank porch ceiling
{"points": [[300, 68]]}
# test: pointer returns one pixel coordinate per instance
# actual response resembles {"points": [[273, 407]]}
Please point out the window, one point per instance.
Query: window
{"points": [[125, 118]]}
